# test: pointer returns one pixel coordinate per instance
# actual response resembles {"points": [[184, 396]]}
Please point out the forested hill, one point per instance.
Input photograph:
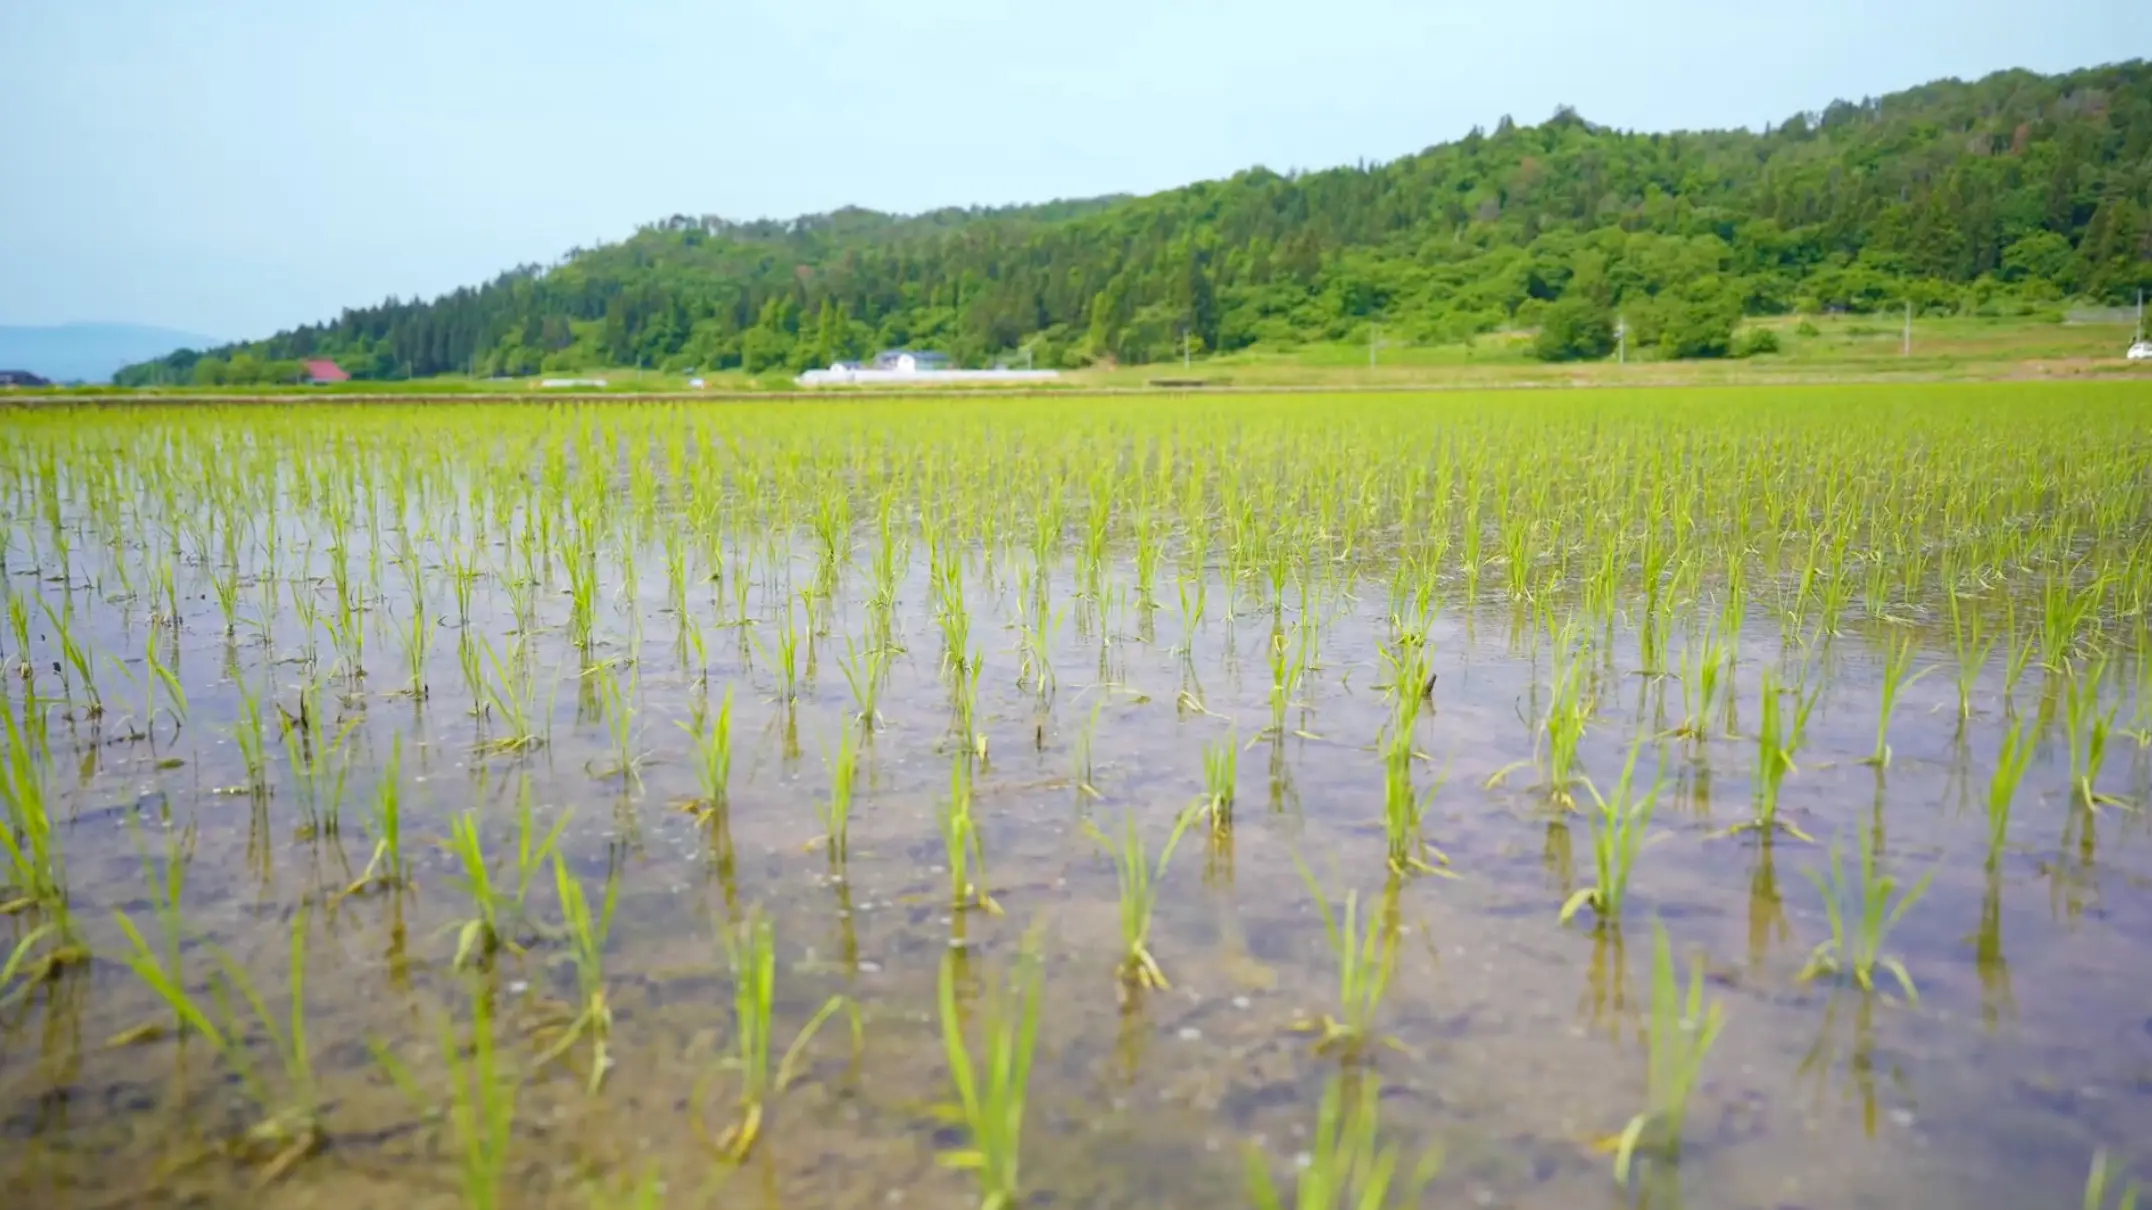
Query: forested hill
{"points": [[2013, 191]]}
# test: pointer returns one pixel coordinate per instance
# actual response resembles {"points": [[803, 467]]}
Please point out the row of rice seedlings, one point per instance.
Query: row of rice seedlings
{"points": [[751, 948], [1347, 1166], [1858, 931]]}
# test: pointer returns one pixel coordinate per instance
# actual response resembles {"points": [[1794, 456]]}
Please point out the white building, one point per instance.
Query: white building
{"points": [[905, 367]]}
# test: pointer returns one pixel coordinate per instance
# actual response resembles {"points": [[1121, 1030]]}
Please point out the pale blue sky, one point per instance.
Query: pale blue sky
{"points": [[238, 166]]}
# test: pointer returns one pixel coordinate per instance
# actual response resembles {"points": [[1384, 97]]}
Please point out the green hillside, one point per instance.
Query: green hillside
{"points": [[2000, 196]]}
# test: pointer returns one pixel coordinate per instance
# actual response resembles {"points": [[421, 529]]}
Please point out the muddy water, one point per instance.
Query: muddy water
{"points": [[1518, 1039]]}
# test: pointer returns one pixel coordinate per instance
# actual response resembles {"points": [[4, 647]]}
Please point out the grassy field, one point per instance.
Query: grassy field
{"points": [[1842, 348], [1732, 796]]}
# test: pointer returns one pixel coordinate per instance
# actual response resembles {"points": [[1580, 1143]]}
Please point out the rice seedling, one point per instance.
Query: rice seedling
{"points": [[865, 669], [586, 946], [1347, 1166], [77, 664], [481, 1105], [1897, 674], [1677, 1039], [510, 700], [1083, 772], [497, 909], [751, 947], [962, 849], [1138, 877], [289, 1126], [1855, 947], [1778, 738], [1219, 760], [2088, 726], [1618, 833], [2096, 1187], [1972, 646], [36, 870], [712, 734], [1366, 956], [991, 1078], [385, 868], [616, 705], [2011, 760], [1706, 673], [837, 808]]}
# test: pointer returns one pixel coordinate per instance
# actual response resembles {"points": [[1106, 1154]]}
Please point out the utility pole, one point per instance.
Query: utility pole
{"points": [[1906, 350], [1621, 341], [2140, 316]]}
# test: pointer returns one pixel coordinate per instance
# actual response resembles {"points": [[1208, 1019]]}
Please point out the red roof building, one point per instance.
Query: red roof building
{"points": [[318, 372]]}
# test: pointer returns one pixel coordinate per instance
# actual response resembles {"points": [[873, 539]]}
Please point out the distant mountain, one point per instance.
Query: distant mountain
{"points": [[89, 352], [2004, 195]]}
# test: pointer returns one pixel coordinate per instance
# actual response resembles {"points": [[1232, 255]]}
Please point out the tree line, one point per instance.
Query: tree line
{"points": [[1997, 196]]}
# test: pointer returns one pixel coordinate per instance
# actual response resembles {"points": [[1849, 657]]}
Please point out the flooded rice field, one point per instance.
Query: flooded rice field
{"points": [[1709, 799]]}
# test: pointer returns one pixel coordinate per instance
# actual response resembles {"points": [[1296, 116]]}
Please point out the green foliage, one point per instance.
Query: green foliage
{"points": [[1951, 195], [1574, 329]]}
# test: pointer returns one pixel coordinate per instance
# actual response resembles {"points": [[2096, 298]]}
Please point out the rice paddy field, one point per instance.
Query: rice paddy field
{"points": [[1709, 797]]}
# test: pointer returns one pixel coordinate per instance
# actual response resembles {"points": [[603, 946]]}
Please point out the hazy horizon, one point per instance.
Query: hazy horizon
{"points": [[239, 168]]}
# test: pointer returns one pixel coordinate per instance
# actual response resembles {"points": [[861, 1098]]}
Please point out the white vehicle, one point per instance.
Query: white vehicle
{"points": [[2140, 351]]}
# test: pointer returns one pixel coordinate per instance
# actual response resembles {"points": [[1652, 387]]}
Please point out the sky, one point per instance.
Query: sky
{"points": [[235, 167]]}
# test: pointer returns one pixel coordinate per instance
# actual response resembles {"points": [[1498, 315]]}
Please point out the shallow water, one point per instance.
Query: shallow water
{"points": [[1518, 1039]]}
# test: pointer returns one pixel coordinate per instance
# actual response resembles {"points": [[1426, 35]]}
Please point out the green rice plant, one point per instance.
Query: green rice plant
{"points": [[1897, 675], [2010, 763], [962, 848], [1972, 646], [617, 706], [991, 1078], [1404, 808], [1706, 673], [36, 869], [247, 737], [1569, 708], [1618, 832], [865, 669], [1138, 876], [319, 764], [1083, 772], [586, 946], [497, 910], [2096, 1187], [77, 664], [1219, 761], [481, 1106], [1347, 1166], [751, 948], [2088, 726], [1366, 955], [166, 883], [712, 734], [289, 1128], [511, 700], [1677, 1039], [19, 962], [1778, 738], [18, 624], [837, 809], [385, 868], [416, 636], [1855, 946]]}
